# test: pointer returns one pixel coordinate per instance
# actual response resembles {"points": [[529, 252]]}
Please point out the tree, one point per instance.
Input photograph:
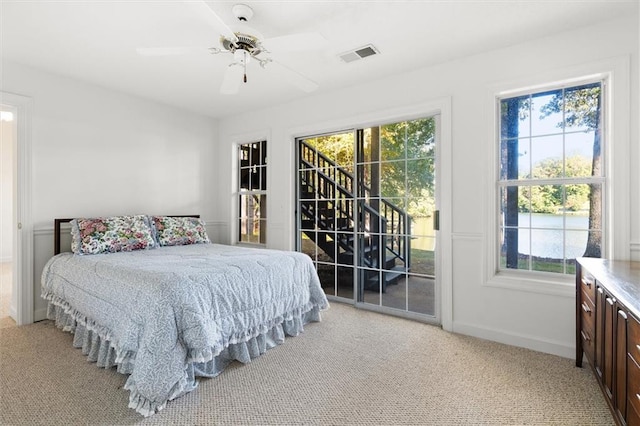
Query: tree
{"points": [[510, 110], [582, 109], [413, 178]]}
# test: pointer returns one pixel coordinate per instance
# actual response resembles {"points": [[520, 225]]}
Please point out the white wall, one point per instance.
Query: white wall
{"points": [[6, 191], [635, 172], [96, 152], [538, 320]]}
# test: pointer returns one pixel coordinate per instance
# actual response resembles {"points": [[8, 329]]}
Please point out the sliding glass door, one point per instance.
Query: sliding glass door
{"points": [[367, 214]]}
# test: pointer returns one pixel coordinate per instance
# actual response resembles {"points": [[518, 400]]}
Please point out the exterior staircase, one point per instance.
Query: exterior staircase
{"points": [[329, 205]]}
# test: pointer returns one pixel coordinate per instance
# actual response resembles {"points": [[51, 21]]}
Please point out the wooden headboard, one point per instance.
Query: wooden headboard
{"points": [[57, 227]]}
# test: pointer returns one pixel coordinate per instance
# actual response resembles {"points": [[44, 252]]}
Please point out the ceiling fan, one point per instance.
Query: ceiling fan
{"points": [[246, 45]]}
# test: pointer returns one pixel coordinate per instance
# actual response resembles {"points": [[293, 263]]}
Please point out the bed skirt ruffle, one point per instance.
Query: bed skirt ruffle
{"points": [[99, 347]]}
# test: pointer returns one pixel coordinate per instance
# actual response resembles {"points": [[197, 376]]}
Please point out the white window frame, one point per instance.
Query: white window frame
{"points": [[616, 222], [240, 192]]}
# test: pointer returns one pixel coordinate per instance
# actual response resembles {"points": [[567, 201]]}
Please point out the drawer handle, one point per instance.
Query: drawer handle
{"points": [[585, 336], [638, 396], [623, 314], [638, 347], [610, 301], [586, 308], [586, 282]]}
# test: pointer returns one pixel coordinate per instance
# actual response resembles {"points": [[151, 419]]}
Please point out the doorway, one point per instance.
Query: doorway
{"points": [[18, 225], [8, 133], [368, 215]]}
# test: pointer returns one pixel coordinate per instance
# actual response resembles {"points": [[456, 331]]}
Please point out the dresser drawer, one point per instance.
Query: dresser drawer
{"points": [[633, 418], [633, 383], [587, 308], [633, 339], [588, 331], [588, 285]]}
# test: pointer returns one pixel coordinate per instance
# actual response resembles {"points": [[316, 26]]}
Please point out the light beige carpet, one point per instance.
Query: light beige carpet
{"points": [[353, 368]]}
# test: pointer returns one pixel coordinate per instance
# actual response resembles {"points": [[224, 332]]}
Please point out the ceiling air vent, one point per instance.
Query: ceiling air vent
{"points": [[360, 53]]}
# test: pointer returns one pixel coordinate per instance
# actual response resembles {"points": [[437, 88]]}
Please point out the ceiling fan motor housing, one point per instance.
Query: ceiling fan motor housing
{"points": [[245, 42]]}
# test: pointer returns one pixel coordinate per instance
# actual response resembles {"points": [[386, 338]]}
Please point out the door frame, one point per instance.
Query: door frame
{"points": [[22, 221], [441, 107]]}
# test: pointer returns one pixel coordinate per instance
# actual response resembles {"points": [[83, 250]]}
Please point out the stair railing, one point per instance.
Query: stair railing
{"points": [[392, 218]]}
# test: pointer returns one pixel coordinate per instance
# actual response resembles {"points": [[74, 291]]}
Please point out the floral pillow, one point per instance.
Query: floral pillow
{"points": [[178, 231], [111, 234]]}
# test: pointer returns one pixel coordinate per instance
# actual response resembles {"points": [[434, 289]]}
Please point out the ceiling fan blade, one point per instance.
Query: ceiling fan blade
{"points": [[294, 77], [168, 51], [233, 76], [206, 13], [295, 42]]}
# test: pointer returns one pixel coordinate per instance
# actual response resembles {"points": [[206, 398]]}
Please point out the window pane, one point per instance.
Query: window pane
{"points": [[368, 173], [336, 148], [509, 205], [392, 179], [422, 259], [546, 199], [577, 199], [307, 154], [307, 245], [392, 141], [345, 282], [421, 138], [576, 243], [546, 113], [579, 149], [421, 292], [252, 212], [263, 152], [307, 184], [263, 178], [327, 275], [515, 117], [546, 157], [518, 166], [582, 107], [395, 294], [420, 177]]}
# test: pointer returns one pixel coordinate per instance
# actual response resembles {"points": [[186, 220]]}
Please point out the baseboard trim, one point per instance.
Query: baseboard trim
{"points": [[39, 315], [13, 313], [513, 339]]}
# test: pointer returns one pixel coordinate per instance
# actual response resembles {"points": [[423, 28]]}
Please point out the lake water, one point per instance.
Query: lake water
{"points": [[548, 237], [550, 241]]}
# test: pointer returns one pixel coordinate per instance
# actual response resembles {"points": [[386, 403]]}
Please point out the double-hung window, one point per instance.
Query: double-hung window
{"points": [[252, 192], [551, 178]]}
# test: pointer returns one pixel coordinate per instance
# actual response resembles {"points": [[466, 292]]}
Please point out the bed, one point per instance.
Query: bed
{"points": [[165, 314]]}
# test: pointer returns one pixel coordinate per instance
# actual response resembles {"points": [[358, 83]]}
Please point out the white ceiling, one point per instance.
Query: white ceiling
{"points": [[96, 41]]}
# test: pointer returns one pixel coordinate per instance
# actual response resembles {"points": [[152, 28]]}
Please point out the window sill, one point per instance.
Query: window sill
{"points": [[541, 283]]}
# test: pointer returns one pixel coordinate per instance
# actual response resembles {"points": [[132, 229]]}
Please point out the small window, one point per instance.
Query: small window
{"points": [[252, 192], [551, 179]]}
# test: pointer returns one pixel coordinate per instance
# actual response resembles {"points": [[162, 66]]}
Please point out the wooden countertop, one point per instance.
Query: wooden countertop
{"points": [[620, 277]]}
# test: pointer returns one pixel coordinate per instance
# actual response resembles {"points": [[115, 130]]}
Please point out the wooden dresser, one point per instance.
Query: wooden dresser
{"points": [[608, 331]]}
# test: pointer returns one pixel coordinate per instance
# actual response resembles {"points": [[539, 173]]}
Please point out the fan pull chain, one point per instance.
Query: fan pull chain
{"points": [[245, 67]]}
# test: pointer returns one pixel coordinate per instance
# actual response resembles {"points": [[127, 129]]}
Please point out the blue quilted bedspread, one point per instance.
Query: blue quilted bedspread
{"points": [[167, 315]]}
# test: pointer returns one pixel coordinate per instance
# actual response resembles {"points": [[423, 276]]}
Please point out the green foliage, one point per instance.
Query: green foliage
{"points": [[549, 198], [337, 147], [413, 178], [579, 104]]}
